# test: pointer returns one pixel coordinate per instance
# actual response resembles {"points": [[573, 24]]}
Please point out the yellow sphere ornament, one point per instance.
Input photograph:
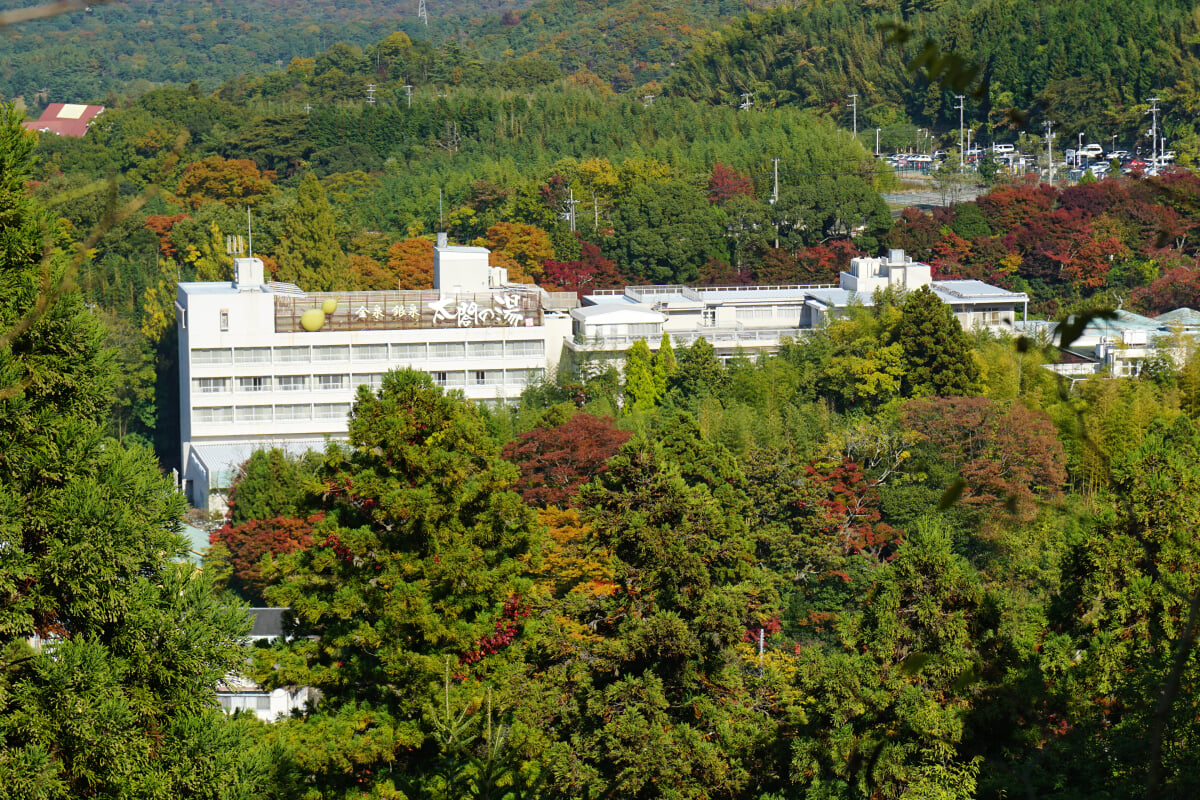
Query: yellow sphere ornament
{"points": [[312, 320], [329, 306]]}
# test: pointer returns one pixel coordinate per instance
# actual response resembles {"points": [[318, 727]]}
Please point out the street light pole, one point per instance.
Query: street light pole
{"points": [[1114, 147]]}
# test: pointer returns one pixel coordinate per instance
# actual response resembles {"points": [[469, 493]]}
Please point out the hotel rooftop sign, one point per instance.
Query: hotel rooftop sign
{"points": [[405, 310]]}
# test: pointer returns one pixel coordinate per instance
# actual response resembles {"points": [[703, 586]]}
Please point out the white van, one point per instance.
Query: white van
{"points": [[1003, 149]]}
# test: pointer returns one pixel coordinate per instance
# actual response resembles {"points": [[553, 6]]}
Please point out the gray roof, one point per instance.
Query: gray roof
{"points": [[1188, 317], [972, 290], [268, 622]]}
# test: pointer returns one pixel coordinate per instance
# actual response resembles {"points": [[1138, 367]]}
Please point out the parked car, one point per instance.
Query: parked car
{"points": [[1119, 155], [1003, 149], [1092, 150]]}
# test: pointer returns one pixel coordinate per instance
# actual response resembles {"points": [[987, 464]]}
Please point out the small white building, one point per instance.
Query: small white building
{"points": [[239, 693], [265, 364], [754, 319]]}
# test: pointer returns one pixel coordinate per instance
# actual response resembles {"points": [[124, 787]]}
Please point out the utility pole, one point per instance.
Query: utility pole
{"points": [[408, 88], [307, 108], [571, 202], [877, 130], [1153, 130], [647, 100], [1050, 150], [775, 196], [370, 94], [854, 109], [961, 153], [747, 103], [423, 13]]}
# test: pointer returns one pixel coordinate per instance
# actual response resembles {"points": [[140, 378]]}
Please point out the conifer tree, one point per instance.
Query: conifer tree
{"points": [[640, 385], [309, 254], [938, 359], [412, 586], [117, 697], [664, 365]]}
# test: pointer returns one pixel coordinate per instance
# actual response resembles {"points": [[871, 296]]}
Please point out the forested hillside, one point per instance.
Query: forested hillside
{"points": [[1085, 65]]}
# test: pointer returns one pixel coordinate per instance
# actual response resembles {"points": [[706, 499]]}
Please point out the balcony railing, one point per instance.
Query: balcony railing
{"points": [[717, 337]]}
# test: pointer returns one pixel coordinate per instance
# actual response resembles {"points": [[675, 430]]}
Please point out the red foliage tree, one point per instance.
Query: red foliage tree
{"points": [[591, 271], [727, 183], [249, 542], [555, 462], [162, 224], [1179, 288], [850, 504], [1005, 453]]}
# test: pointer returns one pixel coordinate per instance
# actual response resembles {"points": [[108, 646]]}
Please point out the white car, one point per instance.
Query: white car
{"points": [[1092, 151]]}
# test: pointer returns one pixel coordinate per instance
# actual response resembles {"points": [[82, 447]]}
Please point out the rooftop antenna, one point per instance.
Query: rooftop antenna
{"points": [[423, 13]]}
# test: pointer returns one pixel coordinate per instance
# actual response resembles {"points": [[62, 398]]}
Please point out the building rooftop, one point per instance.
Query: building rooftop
{"points": [[64, 119]]}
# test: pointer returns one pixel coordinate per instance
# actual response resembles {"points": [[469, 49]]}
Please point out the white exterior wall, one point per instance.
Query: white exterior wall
{"points": [[243, 383]]}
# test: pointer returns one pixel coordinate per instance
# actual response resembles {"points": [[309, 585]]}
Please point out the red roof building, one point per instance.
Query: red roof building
{"points": [[65, 119]]}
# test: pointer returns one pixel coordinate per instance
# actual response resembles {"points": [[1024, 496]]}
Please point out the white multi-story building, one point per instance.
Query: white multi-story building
{"points": [[267, 364], [754, 319]]}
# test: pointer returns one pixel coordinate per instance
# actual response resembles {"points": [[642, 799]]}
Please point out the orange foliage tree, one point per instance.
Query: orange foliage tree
{"points": [[411, 263], [235, 181], [527, 245]]}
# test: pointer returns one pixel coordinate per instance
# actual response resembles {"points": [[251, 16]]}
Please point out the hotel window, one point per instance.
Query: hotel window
{"points": [[210, 385], [252, 355], [408, 352], [291, 355], [213, 415], [331, 383], [292, 383], [257, 383], [331, 410], [331, 353], [485, 349], [370, 352], [293, 413], [254, 414], [534, 347], [372, 379], [221, 356], [447, 350], [224, 319], [439, 378]]}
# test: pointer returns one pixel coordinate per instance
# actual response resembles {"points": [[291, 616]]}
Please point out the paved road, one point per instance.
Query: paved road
{"points": [[930, 199]]}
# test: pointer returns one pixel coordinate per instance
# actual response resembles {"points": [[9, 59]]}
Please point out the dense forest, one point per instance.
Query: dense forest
{"points": [[890, 560]]}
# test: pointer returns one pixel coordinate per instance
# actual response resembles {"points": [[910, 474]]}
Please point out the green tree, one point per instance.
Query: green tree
{"points": [[664, 365], [270, 484], [659, 705], [641, 389], [309, 254], [887, 702], [118, 697], [938, 359], [413, 584]]}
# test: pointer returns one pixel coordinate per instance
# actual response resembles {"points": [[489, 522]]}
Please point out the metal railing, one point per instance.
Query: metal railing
{"points": [[718, 337]]}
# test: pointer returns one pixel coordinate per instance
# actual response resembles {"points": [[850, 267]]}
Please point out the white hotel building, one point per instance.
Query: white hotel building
{"points": [[266, 364]]}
